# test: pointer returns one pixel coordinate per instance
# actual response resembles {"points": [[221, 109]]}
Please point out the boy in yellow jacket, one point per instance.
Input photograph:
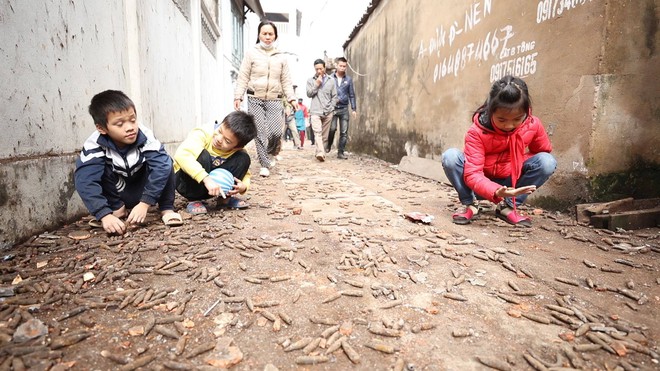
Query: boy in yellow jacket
{"points": [[203, 151]]}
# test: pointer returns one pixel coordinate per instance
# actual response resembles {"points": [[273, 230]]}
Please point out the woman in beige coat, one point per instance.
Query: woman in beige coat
{"points": [[265, 76]]}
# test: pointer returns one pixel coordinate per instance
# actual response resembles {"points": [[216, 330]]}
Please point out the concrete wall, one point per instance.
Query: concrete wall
{"points": [[56, 55], [592, 68]]}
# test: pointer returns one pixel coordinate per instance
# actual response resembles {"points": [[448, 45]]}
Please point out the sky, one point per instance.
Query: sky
{"points": [[328, 23]]}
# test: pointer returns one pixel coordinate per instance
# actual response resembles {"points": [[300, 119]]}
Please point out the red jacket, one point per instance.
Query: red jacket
{"points": [[304, 108], [488, 153]]}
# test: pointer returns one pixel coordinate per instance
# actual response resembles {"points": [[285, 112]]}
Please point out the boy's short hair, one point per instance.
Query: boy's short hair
{"points": [[107, 102], [242, 125], [319, 61]]}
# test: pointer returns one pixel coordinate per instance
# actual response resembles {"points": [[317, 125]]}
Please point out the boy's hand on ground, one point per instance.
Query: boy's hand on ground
{"points": [[113, 225], [139, 214], [212, 187]]}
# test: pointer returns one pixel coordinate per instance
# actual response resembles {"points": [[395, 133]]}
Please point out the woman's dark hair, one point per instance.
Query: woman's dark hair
{"points": [[266, 22], [509, 93], [107, 102]]}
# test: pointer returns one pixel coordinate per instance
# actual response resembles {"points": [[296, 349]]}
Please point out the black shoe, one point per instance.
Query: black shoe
{"points": [[342, 156]]}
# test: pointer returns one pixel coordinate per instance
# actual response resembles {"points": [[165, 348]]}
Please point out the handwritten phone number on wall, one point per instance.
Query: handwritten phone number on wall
{"points": [[548, 9], [521, 66]]}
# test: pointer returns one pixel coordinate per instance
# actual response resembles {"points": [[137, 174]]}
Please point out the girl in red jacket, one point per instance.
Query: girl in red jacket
{"points": [[506, 157]]}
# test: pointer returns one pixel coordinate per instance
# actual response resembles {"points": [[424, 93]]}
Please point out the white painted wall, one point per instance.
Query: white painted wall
{"points": [[169, 51], [56, 54], [55, 57]]}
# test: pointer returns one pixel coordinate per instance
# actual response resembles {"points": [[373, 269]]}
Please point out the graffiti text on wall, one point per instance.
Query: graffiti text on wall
{"points": [[483, 49], [548, 9], [519, 59], [473, 17], [452, 53]]}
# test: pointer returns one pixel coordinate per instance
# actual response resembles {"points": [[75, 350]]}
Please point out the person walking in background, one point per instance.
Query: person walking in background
{"points": [[506, 157], [346, 96], [290, 122], [308, 127], [299, 117], [265, 76], [323, 92]]}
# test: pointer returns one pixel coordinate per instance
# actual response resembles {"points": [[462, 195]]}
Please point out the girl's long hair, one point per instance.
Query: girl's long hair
{"points": [[509, 93]]}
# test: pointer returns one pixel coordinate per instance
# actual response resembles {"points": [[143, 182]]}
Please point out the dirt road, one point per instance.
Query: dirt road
{"points": [[325, 272]]}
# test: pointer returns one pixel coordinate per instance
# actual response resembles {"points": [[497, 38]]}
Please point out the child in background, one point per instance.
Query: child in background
{"points": [[506, 157], [122, 165], [291, 126], [203, 151], [300, 124]]}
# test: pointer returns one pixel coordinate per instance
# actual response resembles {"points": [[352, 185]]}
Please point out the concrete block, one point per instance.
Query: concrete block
{"points": [[424, 167], [36, 195], [649, 218]]}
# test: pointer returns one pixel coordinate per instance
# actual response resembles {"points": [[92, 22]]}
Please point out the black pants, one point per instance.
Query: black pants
{"points": [[237, 164], [310, 134], [121, 192]]}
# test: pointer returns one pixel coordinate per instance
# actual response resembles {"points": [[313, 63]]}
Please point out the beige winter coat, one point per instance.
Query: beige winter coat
{"points": [[264, 74]]}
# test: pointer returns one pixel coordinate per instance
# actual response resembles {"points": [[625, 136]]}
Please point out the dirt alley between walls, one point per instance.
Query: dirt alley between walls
{"points": [[324, 271]]}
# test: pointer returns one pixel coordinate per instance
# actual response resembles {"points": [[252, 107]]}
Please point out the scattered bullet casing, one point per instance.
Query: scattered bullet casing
{"points": [[353, 293], [311, 360], [381, 347], [494, 363], [379, 330], [422, 327], [285, 317], [332, 298], [350, 352], [312, 345], [268, 315], [69, 339], [454, 296], [300, 344]]}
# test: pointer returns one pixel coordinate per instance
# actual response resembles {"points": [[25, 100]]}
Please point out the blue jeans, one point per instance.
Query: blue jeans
{"points": [[341, 115], [535, 171]]}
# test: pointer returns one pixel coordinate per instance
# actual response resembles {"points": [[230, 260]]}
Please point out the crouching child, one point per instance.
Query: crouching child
{"points": [[123, 166], [204, 151]]}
